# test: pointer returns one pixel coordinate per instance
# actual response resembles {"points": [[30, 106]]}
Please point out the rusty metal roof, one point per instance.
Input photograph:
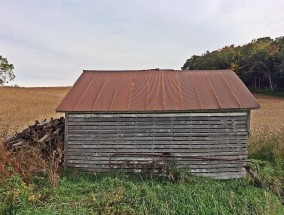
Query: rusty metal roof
{"points": [[157, 90]]}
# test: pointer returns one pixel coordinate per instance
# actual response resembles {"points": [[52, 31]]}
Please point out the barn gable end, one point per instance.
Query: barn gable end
{"points": [[134, 120]]}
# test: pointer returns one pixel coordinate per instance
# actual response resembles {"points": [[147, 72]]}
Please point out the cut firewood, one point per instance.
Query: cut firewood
{"points": [[47, 137], [18, 145], [44, 138]]}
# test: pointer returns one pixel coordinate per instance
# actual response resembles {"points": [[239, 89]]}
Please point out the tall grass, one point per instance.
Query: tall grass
{"points": [[267, 145]]}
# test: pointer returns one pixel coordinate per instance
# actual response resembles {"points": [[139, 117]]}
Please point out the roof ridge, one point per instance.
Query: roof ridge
{"points": [[122, 70], [157, 69]]}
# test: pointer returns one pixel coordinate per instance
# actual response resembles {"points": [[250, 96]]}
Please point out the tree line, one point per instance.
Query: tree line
{"points": [[259, 64]]}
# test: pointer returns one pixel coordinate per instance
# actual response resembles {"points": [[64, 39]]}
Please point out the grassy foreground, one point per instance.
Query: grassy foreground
{"points": [[82, 193]]}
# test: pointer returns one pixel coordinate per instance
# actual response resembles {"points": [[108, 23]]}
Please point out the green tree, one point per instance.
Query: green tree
{"points": [[6, 71], [191, 63], [281, 68]]}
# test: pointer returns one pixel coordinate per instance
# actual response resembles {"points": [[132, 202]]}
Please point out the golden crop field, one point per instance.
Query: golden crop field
{"points": [[20, 107], [271, 114]]}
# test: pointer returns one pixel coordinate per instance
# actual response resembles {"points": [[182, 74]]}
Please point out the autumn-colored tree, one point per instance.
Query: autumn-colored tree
{"points": [[259, 63]]}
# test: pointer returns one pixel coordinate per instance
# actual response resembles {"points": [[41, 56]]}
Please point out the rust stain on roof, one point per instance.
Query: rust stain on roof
{"points": [[157, 90]]}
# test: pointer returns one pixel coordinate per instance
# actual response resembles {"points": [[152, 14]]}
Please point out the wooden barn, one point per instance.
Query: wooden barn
{"points": [[148, 119]]}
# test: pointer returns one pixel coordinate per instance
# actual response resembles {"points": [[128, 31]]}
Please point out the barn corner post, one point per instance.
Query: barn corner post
{"points": [[248, 122], [66, 142], [248, 128]]}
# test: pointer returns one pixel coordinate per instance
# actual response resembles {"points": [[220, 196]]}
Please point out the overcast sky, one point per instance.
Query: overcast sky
{"points": [[50, 42]]}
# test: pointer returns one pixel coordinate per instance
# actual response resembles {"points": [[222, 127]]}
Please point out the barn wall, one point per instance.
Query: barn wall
{"points": [[93, 138]]}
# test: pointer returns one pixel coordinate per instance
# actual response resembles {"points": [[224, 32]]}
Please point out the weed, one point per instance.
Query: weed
{"points": [[272, 177], [15, 195], [25, 164], [267, 145], [52, 168]]}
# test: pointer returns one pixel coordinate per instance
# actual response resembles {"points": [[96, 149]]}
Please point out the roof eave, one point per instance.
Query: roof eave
{"points": [[159, 111]]}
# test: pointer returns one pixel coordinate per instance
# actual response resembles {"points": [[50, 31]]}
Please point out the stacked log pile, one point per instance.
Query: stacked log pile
{"points": [[47, 137]]}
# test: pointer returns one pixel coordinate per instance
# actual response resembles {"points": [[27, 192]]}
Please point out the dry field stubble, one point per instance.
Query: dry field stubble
{"points": [[20, 107], [271, 114]]}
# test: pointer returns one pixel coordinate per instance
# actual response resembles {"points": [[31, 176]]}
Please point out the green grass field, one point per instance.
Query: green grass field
{"points": [[82, 193]]}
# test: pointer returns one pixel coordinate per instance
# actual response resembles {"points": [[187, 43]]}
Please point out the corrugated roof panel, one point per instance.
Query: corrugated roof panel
{"points": [[155, 99], [107, 92], [172, 91], [89, 97], [240, 91], [123, 93], [205, 92], [139, 93], [189, 94], [72, 98], [222, 91]]}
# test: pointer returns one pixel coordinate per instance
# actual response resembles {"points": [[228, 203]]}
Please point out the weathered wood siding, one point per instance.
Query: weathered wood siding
{"points": [[93, 138]]}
